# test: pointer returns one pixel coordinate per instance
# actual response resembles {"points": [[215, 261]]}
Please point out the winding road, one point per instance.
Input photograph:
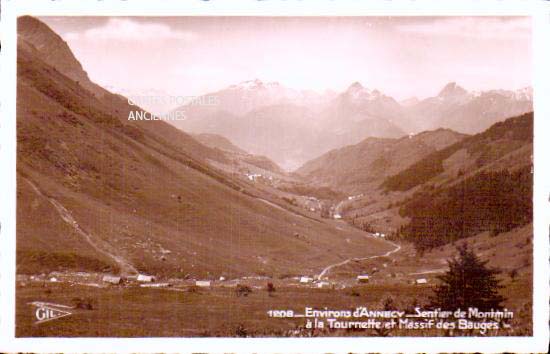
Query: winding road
{"points": [[332, 266]]}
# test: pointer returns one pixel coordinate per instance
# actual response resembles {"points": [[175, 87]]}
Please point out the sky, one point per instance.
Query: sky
{"points": [[400, 56]]}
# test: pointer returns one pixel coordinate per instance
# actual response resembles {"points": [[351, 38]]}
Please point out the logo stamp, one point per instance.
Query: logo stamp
{"points": [[45, 312]]}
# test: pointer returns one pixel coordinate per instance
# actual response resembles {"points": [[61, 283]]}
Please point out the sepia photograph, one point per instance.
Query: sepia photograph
{"points": [[274, 176]]}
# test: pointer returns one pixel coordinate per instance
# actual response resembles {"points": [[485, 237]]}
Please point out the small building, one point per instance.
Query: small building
{"points": [[363, 278], [222, 278], [53, 279], [305, 280], [145, 278], [253, 176], [323, 284], [112, 279], [337, 216], [421, 281], [203, 283]]}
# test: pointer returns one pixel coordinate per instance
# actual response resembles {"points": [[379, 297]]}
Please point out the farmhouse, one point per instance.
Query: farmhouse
{"points": [[253, 176], [323, 284], [145, 278], [203, 283], [421, 281], [305, 280], [112, 279], [363, 278]]}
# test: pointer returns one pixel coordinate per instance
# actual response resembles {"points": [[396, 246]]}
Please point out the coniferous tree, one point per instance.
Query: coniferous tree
{"points": [[468, 283]]}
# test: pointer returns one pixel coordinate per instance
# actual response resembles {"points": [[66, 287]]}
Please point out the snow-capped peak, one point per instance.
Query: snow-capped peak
{"points": [[255, 84]]}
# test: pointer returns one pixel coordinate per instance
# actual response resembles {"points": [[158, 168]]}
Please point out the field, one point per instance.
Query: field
{"points": [[192, 312], [220, 310]]}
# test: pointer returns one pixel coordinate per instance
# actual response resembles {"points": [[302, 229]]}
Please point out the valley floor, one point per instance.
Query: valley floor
{"points": [[185, 310]]}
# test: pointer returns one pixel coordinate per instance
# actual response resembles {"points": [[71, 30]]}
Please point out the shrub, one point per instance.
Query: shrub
{"points": [[84, 304], [194, 289], [241, 331], [389, 304], [242, 290], [513, 274], [291, 201]]}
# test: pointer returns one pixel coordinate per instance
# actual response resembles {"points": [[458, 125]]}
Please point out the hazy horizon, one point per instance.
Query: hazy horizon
{"points": [[403, 57]]}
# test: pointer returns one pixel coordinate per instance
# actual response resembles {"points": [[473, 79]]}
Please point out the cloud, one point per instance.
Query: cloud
{"points": [[477, 27], [124, 29]]}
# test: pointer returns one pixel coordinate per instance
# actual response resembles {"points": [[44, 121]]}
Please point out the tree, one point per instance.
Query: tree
{"points": [[468, 283], [270, 288]]}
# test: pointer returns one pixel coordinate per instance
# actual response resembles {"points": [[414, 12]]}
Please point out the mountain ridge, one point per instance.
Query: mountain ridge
{"points": [[378, 157]]}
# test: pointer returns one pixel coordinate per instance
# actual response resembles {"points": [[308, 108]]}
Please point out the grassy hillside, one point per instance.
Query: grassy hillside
{"points": [[362, 167], [483, 148], [219, 142], [488, 201], [481, 183], [97, 192]]}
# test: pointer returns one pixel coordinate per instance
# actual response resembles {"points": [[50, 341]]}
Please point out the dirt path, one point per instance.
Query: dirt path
{"points": [[278, 206], [125, 267], [332, 266], [338, 208]]}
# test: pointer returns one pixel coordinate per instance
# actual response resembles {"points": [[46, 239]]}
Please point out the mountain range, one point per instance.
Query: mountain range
{"points": [[292, 127]]}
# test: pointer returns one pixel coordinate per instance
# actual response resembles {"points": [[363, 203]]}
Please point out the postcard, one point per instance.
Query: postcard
{"points": [[275, 176]]}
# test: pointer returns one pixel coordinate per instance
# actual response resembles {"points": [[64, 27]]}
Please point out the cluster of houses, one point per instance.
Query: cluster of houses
{"points": [[148, 281], [318, 283], [312, 204], [361, 278], [254, 177]]}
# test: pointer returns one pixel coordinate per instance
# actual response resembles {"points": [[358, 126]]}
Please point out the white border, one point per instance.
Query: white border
{"points": [[538, 9]]}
